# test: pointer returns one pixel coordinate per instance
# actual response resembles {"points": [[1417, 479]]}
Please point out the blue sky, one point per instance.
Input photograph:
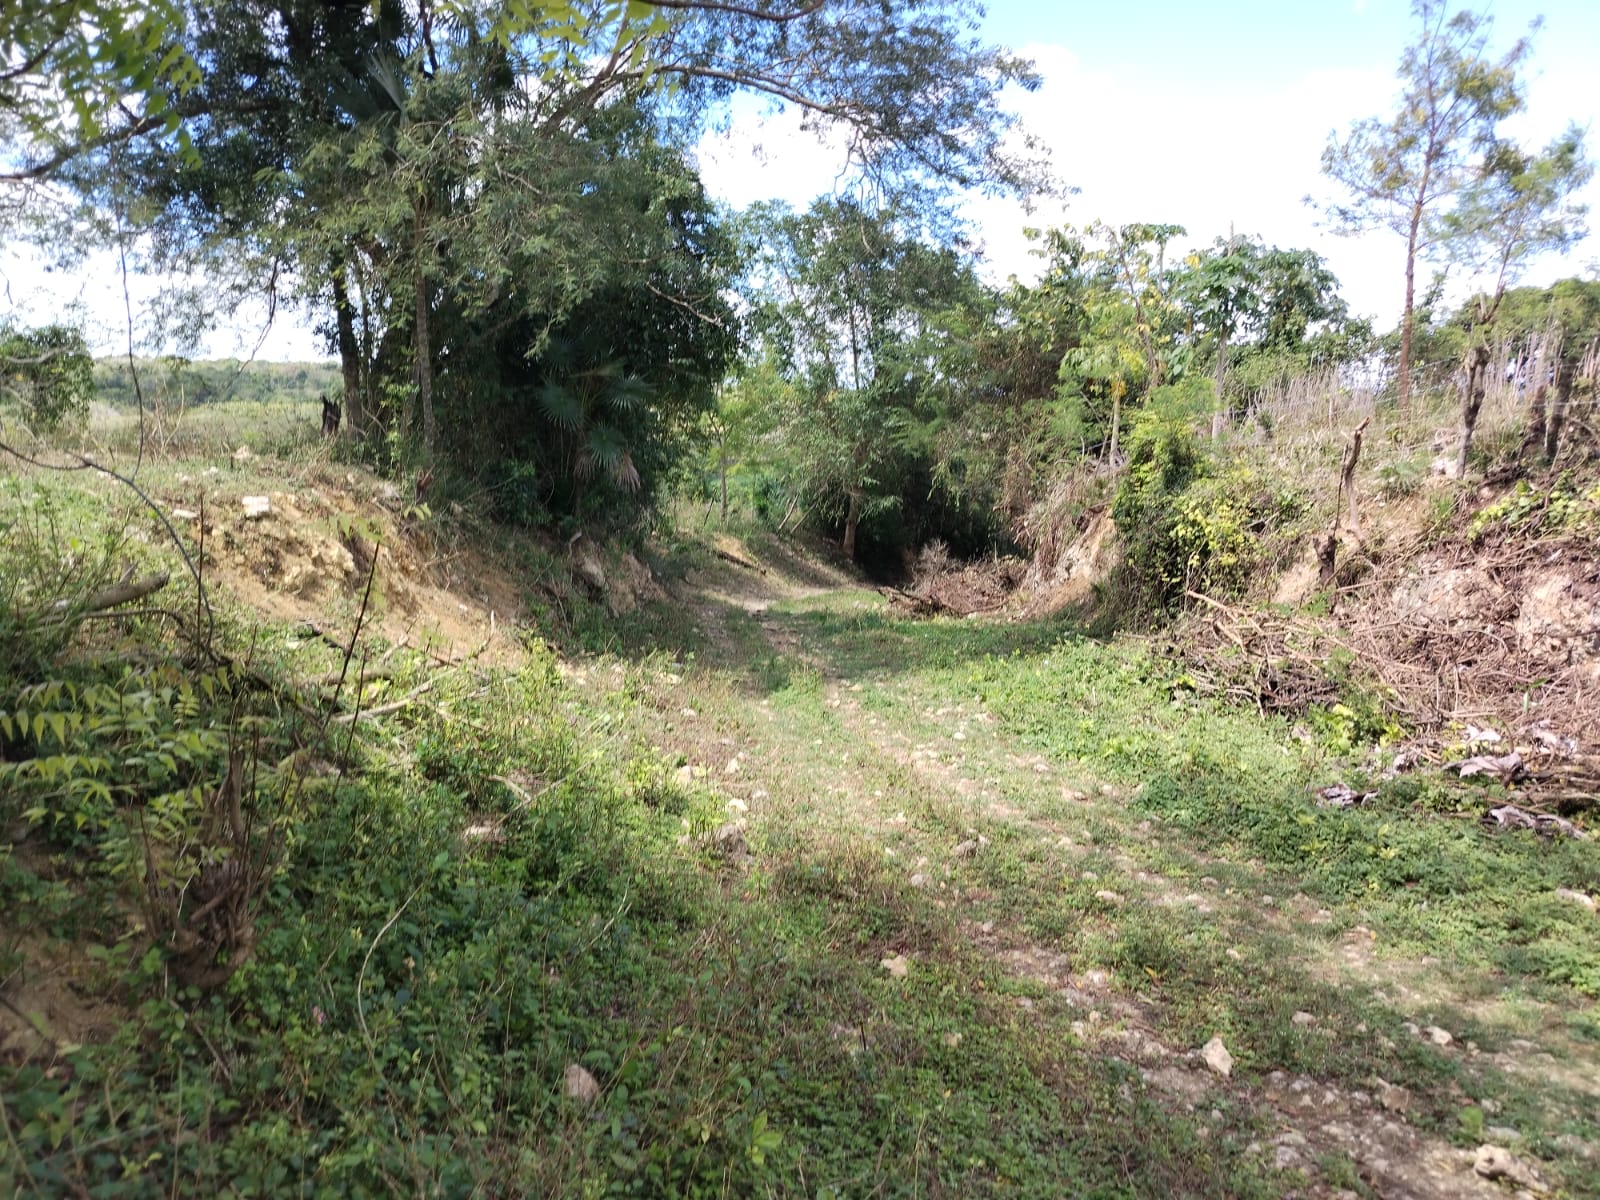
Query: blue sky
{"points": [[1214, 115], [1211, 114]]}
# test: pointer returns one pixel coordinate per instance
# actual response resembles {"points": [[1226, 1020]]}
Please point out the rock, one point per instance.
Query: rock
{"points": [[242, 454], [737, 805], [729, 841], [898, 966], [255, 507], [1395, 1099], [1496, 1162], [1439, 1037], [1580, 898], [185, 514], [919, 880], [952, 1040], [684, 777], [1304, 1020], [966, 849], [1107, 896], [1216, 1057], [734, 766], [579, 1085], [589, 568], [1503, 1133]]}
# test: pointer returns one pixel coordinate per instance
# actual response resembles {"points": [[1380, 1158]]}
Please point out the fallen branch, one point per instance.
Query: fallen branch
{"points": [[126, 591], [738, 560]]}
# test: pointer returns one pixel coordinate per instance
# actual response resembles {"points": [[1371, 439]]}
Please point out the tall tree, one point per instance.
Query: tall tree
{"points": [[1405, 172], [852, 307], [384, 159], [1523, 203], [1222, 290]]}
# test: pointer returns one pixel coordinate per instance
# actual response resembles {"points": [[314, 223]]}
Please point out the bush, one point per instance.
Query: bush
{"points": [[47, 374], [1184, 526]]}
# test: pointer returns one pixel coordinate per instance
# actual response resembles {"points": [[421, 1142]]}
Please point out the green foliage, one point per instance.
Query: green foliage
{"points": [[107, 59], [59, 549], [860, 327], [1558, 509], [1219, 774], [46, 374], [1399, 478], [182, 383], [1185, 524]]}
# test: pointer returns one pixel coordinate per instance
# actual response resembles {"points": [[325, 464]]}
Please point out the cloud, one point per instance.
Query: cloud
{"points": [[1232, 157]]}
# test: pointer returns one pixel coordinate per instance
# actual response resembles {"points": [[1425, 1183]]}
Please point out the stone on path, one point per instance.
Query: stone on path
{"points": [[580, 1085], [898, 966], [1217, 1057]]}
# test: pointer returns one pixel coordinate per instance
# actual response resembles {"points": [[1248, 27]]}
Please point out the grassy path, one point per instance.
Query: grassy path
{"points": [[1062, 930]]}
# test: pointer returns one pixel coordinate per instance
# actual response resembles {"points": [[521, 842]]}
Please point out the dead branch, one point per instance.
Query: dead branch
{"points": [[738, 560]]}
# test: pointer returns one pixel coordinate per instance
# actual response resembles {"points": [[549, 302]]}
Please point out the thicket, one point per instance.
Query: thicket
{"points": [[176, 382]]}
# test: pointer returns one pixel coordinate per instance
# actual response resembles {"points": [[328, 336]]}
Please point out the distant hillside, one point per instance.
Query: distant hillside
{"points": [[207, 382]]}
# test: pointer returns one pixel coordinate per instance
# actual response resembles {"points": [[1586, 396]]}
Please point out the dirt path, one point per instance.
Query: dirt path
{"points": [[800, 717]]}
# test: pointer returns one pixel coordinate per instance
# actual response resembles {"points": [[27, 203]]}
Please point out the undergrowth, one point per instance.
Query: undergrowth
{"points": [[1416, 854]]}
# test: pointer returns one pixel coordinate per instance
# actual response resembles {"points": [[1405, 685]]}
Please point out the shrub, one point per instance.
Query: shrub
{"points": [[47, 374], [1184, 526]]}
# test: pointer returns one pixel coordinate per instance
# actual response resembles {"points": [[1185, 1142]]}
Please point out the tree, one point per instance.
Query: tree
{"points": [[853, 309], [1404, 173], [46, 374], [77, 73], [1521, 204], [1222, 290], [400, 164]]}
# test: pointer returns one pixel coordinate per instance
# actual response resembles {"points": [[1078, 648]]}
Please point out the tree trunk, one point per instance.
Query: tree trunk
{"points": [[423, 344], [1533, 439], [722, 471], [1116, 423], [1219, 415], [1472, 387], [1558, 409], [1406, 318], [852, 521], [357, 418]]}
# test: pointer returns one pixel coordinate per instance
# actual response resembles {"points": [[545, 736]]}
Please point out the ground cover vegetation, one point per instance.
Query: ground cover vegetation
{"points": [[741, 704]]}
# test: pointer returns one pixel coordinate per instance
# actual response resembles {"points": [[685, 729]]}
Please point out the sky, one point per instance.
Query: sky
{"points": [[1211, 116]]}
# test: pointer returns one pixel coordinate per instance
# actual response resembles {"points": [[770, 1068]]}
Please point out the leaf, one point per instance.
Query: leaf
{"points": [[561, 406]]}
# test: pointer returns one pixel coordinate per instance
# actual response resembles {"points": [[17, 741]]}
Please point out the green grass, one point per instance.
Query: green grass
{"points": [[416, 993]]}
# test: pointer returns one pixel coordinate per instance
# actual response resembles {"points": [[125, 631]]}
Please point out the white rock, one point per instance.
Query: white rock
{"points": [[255, 507], [185, 514], [1439, 1037], [1395, 1099], [1107, 896], [1217, 1057], [1496, 1162], [1304, 1020], [580, 1085], [952, 1040], [1576, 897], [898, 966]]}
